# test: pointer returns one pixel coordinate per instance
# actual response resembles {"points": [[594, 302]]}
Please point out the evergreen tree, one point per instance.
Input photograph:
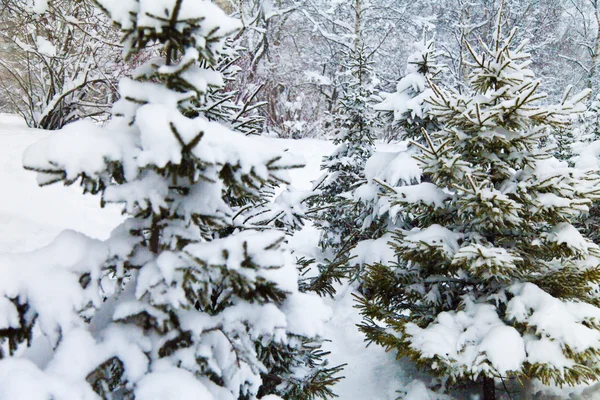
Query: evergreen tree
{"points": [[592, 119], [409, 112], [199, 304], [354, 125], [588, 124], [389, 172], [587, 148], [333, 208], [564, 138], [407, 109], [493, 280]]}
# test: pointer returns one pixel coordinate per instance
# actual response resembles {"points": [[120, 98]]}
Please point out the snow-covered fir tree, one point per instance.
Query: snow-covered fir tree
{"points": [[562, 141], [354, 125], [407, 112], [494, 280], [588, 126], [585, 151], [407, 108], [197, 303], [565, 139], [333, 209]]}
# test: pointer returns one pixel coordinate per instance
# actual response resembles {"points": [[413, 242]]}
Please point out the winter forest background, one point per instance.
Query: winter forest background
{"points": [[299, 199], [293, 50]]}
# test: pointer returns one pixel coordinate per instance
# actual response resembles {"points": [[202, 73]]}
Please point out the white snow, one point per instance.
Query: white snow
{"points": [[416, 390], [16, 375], [81, 147], [48, 279], [45, 47], [31, 217], [317, 78], [374, 251], [394, 168], [9, 315], [121, 10], [567, 234], [426, 193], [504, 348], [474, 340], [39, 6], [589, 156], [487, 258], [306, 314], [434, 236], [371, 373], [560, 324], [173, 384]]}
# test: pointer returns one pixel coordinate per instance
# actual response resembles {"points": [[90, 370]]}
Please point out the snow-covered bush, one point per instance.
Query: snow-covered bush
{"points": [[196, 303], [58, 61], [493, 280]]}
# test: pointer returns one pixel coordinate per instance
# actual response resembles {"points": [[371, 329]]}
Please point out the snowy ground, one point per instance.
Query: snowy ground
{"points": [[31, 216]]}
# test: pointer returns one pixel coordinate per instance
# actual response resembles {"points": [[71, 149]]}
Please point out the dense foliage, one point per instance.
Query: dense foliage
{"points": [[493, 248]]}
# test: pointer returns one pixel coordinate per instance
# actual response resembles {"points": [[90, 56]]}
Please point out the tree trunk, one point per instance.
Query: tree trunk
{"points": [[357, 24], [489, 388], [595, 53], [154, 244]]}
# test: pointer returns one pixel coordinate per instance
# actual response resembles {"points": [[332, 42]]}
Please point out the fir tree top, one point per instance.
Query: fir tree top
{"points": [[409, 106]]}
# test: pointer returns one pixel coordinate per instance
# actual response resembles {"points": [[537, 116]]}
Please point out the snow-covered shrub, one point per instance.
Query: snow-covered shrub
{"points": [[198, 304], [57, 61], [493, 280]]}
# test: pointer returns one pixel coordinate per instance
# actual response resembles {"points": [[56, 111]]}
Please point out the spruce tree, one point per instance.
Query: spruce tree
{"points": [[589, 127], [199, 303], [587, 143], [407, 109], [333, 208], [494, 280], [354, 135], [408, 112], [563, 139]]}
